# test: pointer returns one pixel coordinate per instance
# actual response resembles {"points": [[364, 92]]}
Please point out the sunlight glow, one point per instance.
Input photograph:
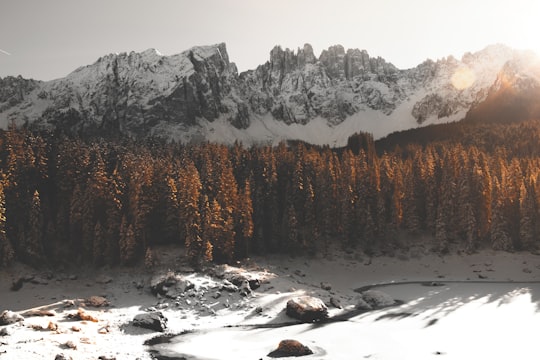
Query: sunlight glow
{"points": [[523, 30], [463, 78]]}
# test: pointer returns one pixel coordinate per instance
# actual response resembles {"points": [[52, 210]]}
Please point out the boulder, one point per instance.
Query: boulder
{"points": [[307, 309], [245, 289], [254, 284], [153, 321], [335, 302], [70, 344], [62, 357], [361, 304], [96, 301], [9, 317], [170, 285], [228, 286], [377, 299], [17, 284], [239, 279], [290, 348], [104, 279], [326, 286]]}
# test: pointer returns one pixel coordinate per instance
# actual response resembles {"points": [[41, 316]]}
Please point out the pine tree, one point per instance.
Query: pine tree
{"points": [[411, 218], [470, 228], [99, 245], [290, 230], [195, 214], [527, 224], [113, 219], [149, 258], [397, 199], [311, 232], [369, 232], [6, 250], [499, 231], [431, 190], [441, 236], [34, 234], [200, 247], [226, 201], [218, 233], [126, 243], [482, 196], [244, 227]]}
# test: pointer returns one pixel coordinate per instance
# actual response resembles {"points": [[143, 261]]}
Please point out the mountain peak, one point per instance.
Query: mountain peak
{"points": [[209, 51], [199, 95], [151, 52]]}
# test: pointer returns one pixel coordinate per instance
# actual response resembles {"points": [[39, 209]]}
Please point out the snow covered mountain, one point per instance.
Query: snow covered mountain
{"points": [[199, 94]]}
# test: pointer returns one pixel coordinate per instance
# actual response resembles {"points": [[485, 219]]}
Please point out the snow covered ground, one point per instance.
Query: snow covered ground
{"points": [[492, 314]]}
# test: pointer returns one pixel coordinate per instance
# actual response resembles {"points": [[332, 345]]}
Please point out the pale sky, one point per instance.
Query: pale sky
{"points": [[49, 39]]}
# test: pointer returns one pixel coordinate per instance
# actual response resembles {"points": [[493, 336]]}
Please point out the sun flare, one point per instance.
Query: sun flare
{"points": [[463, 78]]}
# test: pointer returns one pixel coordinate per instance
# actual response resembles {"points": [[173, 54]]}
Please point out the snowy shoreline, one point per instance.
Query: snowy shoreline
{"points": [[491, 287]]}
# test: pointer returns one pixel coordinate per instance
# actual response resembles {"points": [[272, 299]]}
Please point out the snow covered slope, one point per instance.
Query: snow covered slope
{"points": [[199, 95]]}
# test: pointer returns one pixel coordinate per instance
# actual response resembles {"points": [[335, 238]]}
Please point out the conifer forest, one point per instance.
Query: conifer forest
{"points": [[67, 200]]}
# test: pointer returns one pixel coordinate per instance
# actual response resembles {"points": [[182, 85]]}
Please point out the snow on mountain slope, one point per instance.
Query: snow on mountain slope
{"points": [[199, 95]]}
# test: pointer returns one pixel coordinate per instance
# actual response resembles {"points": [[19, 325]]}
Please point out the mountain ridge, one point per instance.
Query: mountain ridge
{"points": [[200, 95]]}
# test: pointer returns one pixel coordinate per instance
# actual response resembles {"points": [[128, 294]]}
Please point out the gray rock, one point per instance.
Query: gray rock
{"points": [[361, 304], [307, 309], [63, 357], [162, 306], [254, 284], [335, 302], [377, 299], [17, 284], [228, 286], [171, 285], [244, 288], [104, 279], [154, 321], [70, 345], [326, 286], [9, 317], [238, 279]]}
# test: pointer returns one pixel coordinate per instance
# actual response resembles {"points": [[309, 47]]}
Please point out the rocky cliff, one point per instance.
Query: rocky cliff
{"points": [[199, 94]]}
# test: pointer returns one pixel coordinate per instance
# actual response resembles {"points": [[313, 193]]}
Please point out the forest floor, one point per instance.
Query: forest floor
{"points": [[484, 305]]}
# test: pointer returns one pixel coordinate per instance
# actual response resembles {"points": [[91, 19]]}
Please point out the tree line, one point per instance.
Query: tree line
{"points": [[66, 200]]}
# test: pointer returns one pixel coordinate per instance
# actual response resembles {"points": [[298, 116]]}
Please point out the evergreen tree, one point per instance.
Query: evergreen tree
{"points": [[6, 250], [244, 223], [127, 243], [290, 230], [470, 228], [34, 234], [199, 249], [499, 233], [441, 236], [527, 210]]}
